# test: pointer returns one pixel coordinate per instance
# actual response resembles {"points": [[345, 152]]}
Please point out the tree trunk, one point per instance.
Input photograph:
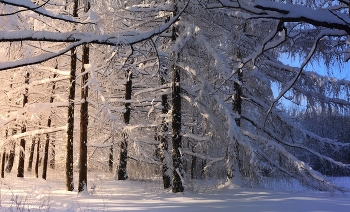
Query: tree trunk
{"points": [[46, 153], [233, 164], [164, 154], [31, 156], [20, 170], [84, 116], [3, 164], [193, 164], [110, 159], [70, 127], [37, 158], [53, 155], [123, 155], [176, 132], [47, 143], [176, 118], [11, 157]]}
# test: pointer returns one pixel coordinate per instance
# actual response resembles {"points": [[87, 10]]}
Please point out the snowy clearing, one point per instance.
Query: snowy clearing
{"points": [[107, 194]]}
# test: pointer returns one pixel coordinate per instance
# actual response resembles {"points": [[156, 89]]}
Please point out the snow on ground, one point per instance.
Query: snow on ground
{"points": [[107, 194]]}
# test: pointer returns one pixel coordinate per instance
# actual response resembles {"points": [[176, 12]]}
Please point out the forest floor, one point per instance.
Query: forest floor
{"points": [[106, 194]]}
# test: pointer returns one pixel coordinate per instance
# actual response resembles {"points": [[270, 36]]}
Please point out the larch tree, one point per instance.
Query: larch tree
{"points": [[84, 115], [20, 171]]}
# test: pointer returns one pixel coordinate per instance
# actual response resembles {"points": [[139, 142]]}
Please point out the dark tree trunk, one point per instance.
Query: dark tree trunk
{"points": [[163, 139], [237, 99], [176, 119], [70, 127], [37, 159], [11, 157], [31, 156], [46, 153], [193, 164], [237, 107], [123, 156], [84, 116], [176, 132], [204, 164], [110, 159], [47, 143], [4, 157], [20, 170], [53, 155], [3, 164]]}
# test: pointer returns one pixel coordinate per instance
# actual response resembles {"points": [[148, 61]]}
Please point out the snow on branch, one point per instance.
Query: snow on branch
{"points": [[210, 160], [318, 80], [292, 125], [289, 13], [123, 38], [34, 133], [9, 92], [151, 7], [304, 174], [195, 137], [297, 13], [39, 9], [283, 141], [292, 82], [32, 108]]}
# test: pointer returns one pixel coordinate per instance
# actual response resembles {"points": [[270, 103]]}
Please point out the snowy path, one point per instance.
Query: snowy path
{"points": [[31, 194]]}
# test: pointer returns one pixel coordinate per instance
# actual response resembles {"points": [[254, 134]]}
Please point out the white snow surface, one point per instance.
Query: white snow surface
{"points": [[107, 194]]}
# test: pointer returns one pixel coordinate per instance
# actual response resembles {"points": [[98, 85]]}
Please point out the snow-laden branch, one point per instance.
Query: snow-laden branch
{"points": [[319, 81], [195, 137], [118, 39], [29, 5], [291, 83], [209, 160], [289, 13], [32, 108], [153, 89], [292, 125], [283, 141], [297, 13], [151, 7], [33, 133], [11, 91], [302, 173]]}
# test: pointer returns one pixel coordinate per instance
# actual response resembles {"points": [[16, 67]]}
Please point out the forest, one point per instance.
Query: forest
{"points": [[176, 90]]}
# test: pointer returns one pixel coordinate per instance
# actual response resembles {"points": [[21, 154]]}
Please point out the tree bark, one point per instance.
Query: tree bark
{"points": [[3, 164], [237, 107], [20, 170], [176, 118], [110, 159], [70, 127], [47, 143], [164, 154], [123, 155], [53, 155], [31, 156], [193, 164], [11, 157], [176, 131], [84, 116], [37, 158]]}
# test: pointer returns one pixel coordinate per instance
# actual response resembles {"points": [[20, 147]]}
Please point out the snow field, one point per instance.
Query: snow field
{"points": [[107, 194]]}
